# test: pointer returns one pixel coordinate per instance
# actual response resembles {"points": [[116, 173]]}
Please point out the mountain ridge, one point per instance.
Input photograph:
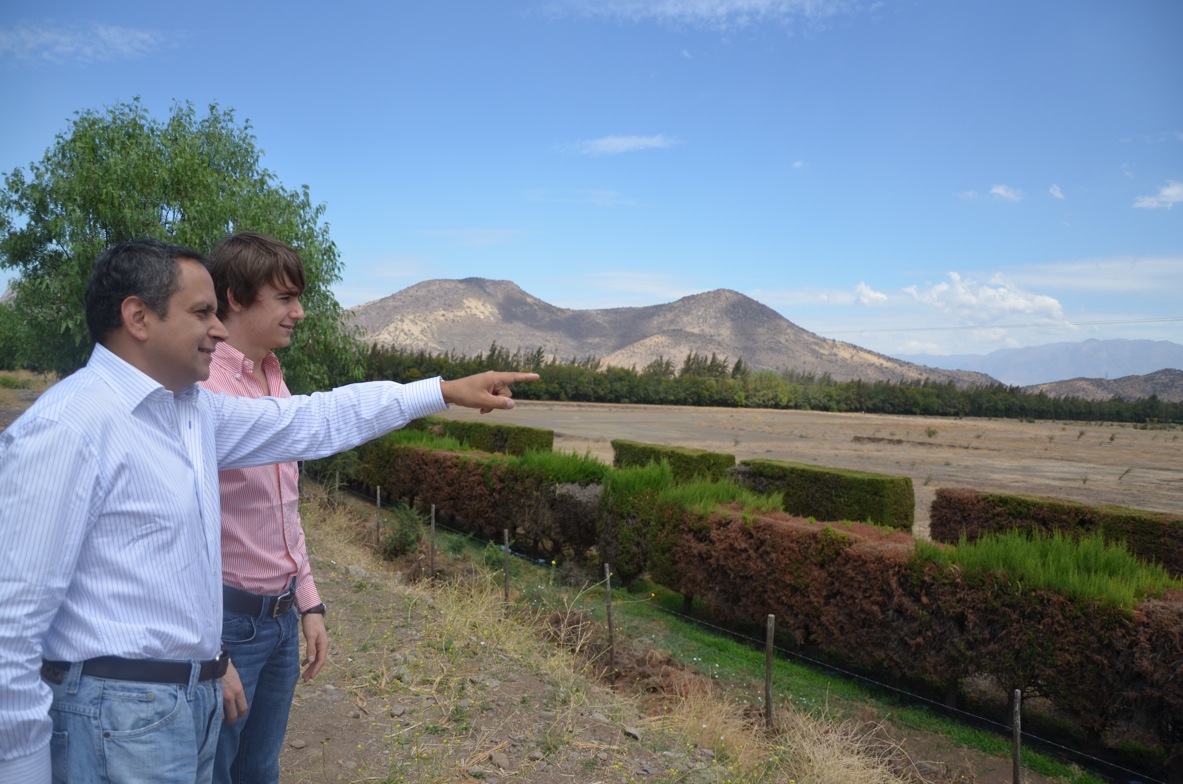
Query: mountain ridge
{"points": [[468, 315]]}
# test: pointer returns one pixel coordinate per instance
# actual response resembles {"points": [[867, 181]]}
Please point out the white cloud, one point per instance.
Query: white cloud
{"points": [[1168, 195], [974, 302], [865, 295], [1155, 138], [81, 44], [712, 14], [614, 145], [1148, 277], [1056, 192], [1006, 193], [798, 164], [969, 195]]}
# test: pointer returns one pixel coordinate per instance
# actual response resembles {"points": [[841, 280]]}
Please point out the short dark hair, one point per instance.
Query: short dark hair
{"points": [[143, 268], [244, 262]]}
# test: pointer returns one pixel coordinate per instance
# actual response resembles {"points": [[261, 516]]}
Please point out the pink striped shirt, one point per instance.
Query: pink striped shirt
{"points": [[262, 538]]}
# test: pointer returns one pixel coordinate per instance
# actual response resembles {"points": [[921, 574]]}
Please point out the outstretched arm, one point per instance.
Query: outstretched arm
{"points": [[486, 391]]}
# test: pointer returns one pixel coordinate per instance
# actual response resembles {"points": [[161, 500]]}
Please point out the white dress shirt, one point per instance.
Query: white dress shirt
{"points": [[109, 516]]}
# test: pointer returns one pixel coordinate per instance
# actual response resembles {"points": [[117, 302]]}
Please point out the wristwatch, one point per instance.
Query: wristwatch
{"points": [[319, 609]]}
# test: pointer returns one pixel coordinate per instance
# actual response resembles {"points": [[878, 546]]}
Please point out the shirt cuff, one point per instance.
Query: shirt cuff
{"points": [[424, 398]]}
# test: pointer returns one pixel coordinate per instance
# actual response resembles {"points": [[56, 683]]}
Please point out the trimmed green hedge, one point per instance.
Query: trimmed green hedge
{"points": [[1153, 536], [687, 464], [922, 612], [510, 439], [834, 493]]}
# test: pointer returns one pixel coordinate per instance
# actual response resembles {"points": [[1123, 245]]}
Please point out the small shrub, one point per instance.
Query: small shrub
{"points": [[404, 530]]}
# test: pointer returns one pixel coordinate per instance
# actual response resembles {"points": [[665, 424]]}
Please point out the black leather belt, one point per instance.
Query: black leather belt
{"points": [[257, 606], [138, 670]]}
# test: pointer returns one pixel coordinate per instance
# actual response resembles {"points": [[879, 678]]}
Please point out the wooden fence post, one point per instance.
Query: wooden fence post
{"points": [[1016, 768], [611, 631], [769, 634], [431, 559], [378, 517], [505, 537]]}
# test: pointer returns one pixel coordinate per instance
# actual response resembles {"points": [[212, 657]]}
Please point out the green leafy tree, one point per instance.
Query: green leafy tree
{"points": [[119, 174], [14, 340]]}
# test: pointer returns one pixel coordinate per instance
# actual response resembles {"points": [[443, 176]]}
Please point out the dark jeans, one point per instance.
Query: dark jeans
{"points": [[266, 653]]}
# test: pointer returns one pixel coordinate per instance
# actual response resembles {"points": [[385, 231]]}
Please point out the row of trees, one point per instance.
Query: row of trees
{"points": [[711, 381]]}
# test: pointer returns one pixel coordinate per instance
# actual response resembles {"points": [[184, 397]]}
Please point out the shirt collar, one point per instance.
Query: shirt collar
{"points": [[130, 385], [236, 362]]}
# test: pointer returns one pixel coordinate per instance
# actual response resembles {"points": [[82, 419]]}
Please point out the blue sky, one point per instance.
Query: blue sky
{"points": [[906, 175]]}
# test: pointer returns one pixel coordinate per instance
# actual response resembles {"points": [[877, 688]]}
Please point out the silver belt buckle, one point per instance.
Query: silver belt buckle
{"points": [[283, 603]]}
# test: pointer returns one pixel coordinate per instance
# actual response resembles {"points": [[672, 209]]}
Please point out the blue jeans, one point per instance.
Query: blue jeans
{"points": [[266, 653], [107, 731]]}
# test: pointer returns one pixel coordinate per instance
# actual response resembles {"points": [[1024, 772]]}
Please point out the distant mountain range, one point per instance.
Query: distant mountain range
{"points": [[1057, 361], [467, 316], [1166, 384]]}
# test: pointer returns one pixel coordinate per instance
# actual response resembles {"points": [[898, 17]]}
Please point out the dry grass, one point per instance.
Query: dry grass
{"points": [[440, 642]]}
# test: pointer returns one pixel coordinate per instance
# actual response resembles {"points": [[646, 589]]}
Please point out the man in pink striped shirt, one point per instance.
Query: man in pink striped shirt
{"points": [[268, 589]]}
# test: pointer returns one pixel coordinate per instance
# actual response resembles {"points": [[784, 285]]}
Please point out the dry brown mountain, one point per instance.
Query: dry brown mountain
{"points": [[467, 316], [1166, 384]]}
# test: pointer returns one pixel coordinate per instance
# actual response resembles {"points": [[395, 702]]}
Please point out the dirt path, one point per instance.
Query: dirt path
{"points": [[1086, 462]]}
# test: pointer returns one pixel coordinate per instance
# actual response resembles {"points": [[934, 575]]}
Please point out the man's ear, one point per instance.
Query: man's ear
{"points": [[134, 313]]}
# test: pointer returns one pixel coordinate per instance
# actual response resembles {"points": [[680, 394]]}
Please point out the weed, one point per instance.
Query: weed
{"points": [[403, 530]]}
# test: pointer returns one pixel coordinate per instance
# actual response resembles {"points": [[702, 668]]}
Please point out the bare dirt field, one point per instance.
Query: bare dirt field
{"points": [[1079, 461]]}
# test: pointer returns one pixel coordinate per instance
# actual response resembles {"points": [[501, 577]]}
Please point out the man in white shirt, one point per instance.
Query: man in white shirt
{"points": [[110, 562]]}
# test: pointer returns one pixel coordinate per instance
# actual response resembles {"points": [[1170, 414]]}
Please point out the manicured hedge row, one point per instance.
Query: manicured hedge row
{"points": [[686, 463], [1153, 536], [881, 606], [488, 437], [834, 493], [866, 599], [483, 494]]}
